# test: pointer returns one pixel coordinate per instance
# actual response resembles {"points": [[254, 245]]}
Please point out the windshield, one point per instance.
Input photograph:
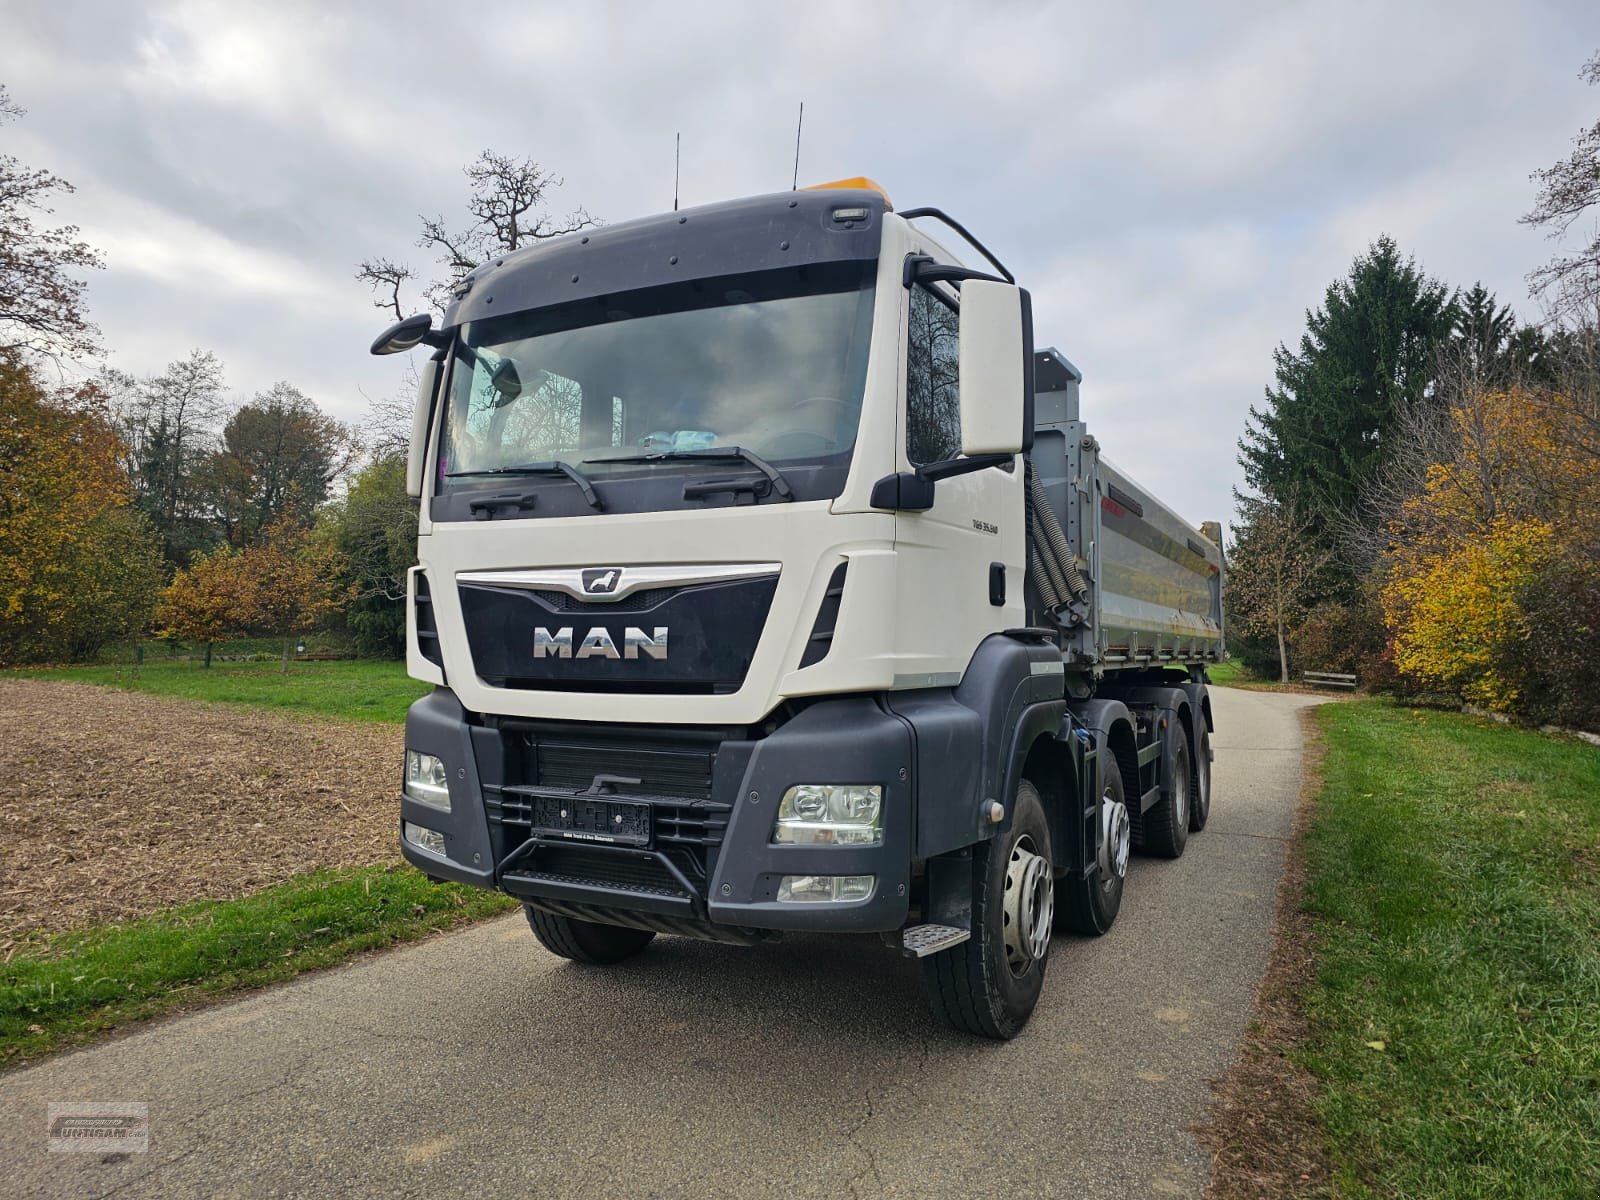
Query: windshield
{"points": [[771, 363]]}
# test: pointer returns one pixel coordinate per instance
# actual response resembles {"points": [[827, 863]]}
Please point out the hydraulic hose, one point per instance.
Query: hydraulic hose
{"points": [[1055, 541], [1055, 568]]}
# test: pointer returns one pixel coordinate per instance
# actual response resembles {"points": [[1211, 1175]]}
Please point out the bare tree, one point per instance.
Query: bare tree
{"points": [[506, 202], [1275, 567], [41, 301], [1424, 436], [1570, 281], [385, 432], [386, 278]]}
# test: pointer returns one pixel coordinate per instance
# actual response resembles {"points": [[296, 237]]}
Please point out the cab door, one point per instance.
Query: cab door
{"points": [[960, 561]]}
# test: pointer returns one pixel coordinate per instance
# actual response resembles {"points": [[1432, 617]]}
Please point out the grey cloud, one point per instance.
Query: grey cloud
{"points": [[1176, 182]]}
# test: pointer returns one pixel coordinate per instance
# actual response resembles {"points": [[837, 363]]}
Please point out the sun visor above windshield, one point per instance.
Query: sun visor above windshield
{"points": [[754, 234]]}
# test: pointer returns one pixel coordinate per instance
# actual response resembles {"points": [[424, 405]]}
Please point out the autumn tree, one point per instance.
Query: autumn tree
{"points": [[292, 583], [506, 209], [1493, 566], [41, 297], [79, 565], [1570, 281], [208, 601], [277, 461], [1274, 570], [283, 586]]}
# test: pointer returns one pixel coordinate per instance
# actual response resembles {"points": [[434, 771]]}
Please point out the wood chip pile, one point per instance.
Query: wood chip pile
{"points": [[116, 805]]}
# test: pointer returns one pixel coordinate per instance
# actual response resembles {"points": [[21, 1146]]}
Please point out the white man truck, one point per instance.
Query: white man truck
{"points": [[769, 580]]}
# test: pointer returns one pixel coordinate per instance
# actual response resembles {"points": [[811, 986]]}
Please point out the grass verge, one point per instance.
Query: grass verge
{"points": [[352, 690], [1235, 674], [65, 989], [1454, 886]]}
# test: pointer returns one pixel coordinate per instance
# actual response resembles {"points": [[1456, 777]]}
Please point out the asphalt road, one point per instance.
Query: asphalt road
{"points": [[477, 1064]]}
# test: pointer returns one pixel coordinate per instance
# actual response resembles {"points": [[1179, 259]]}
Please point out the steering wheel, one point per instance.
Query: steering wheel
{"points": [[820, 443], [799, 443]]}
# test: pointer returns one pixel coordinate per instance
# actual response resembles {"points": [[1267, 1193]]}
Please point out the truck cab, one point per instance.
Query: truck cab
{"points": [[748, 610]]}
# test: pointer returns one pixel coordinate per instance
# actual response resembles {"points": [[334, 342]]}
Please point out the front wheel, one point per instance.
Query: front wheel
{"points": [[990, 983], [586, 941]]}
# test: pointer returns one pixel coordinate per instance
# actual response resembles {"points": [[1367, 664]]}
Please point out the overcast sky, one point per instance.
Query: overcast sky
{"points": [[1177, 183]]}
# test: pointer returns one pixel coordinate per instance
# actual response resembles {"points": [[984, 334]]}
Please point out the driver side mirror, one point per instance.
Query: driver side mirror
{"points": [[996, 368], [406, 334]]}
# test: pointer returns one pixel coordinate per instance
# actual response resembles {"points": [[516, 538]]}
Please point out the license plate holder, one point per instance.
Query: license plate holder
{"points": [[605, 822]]}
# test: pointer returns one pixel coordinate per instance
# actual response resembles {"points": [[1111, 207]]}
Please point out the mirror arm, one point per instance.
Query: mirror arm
{"points": [[922, 268], [911, 214], [912, 491], [963, 465]]}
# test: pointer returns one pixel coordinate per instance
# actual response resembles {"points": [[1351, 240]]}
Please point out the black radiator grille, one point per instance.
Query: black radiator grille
{"points": [[674, 779], [663, 769], [637, 602]]}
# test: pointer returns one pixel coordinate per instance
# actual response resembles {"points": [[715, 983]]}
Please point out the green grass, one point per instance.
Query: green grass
{"points": [[1226, 673], [1235, 674], [353, 689], [72, 986], [1454, 872]]}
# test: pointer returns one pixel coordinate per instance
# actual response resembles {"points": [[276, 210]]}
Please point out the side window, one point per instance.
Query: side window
{"points": [[933, 390]]}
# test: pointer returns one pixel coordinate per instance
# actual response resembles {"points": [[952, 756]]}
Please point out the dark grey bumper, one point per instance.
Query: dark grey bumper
{"points": [[437, 725], [843, 741]]}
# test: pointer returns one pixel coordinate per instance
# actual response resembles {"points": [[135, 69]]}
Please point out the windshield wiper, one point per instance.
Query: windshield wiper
{"points": [[709, 454], [554, 467]]}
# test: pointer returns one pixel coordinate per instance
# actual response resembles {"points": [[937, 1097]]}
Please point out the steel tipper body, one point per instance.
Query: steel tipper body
{"points": [[763, 590]]}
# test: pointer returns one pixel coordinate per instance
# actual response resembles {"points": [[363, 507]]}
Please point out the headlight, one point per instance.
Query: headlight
{"points": [[430, 840], [426, 782], [830, 814], [821, 889]]}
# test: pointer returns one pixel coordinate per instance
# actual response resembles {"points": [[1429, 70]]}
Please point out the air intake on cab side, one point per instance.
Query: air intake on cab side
{"points": [[427, 627], [821, 639]]}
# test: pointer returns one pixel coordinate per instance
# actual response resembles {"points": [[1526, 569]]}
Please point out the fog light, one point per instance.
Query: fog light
{"points": [[426, 781], [824, 889], [830, 814], [430, 840]]}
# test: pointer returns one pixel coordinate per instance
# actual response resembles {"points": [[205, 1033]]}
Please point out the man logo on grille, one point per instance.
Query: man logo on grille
{"points": [[601, 580]]}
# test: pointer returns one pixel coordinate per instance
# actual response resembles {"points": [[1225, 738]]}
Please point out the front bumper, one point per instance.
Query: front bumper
{"points": [[714, 796]]}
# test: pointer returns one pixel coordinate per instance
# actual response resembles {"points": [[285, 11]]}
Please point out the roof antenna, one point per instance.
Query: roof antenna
{"points": [[677, 144], [795, 185]]}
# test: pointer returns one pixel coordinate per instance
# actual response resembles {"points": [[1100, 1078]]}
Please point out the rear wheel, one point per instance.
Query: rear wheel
{"points": [[989, 984], [1166, 822], [586, 941], [1200, 783], [1091, 905]]}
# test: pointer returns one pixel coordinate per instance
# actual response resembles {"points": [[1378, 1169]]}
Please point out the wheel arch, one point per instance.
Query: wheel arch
{"points": [[1048, 764]]}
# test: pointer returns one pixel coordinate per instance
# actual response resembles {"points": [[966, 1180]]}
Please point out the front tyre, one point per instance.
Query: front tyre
{"points": [[586, 941], [990, 983]]}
